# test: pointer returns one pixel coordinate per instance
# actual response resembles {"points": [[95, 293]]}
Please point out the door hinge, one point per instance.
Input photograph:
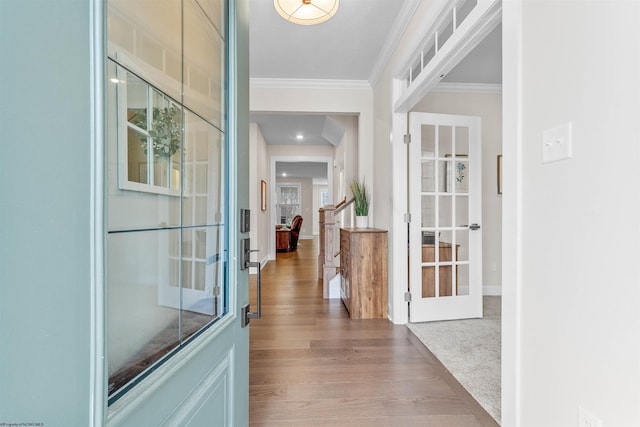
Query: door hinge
{"points": [[407, 296], [407, 138], [407, 218]]}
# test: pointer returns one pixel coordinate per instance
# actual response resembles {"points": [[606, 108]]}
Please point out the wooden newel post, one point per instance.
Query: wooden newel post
{"points": [[326, 266]]}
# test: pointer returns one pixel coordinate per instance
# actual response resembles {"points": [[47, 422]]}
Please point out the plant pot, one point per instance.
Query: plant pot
{"points": [[362, 221]]}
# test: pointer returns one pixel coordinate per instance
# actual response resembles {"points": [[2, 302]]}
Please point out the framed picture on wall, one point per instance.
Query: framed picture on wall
{"points": [[263, 195], [457, 173]]}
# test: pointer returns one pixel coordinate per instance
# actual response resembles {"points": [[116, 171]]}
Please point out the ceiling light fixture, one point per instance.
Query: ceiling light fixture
{"points": [[306, 12], [299, 136]]}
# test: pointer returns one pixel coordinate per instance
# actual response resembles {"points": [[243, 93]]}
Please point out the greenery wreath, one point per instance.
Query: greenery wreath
{"points": [[165, 131]]}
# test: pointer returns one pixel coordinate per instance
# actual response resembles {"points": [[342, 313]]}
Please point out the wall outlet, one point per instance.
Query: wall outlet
{"points": [[587, 419]]}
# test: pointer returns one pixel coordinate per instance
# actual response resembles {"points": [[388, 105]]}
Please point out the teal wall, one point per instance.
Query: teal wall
{"points": [[45, 143]]}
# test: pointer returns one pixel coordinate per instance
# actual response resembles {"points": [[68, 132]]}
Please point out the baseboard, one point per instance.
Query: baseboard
{"points": [[263, 263], [305, 238], [492, 291]]}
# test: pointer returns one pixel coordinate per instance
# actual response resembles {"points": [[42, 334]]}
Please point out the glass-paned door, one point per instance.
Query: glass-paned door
{"points": [[288, 202], [177, 351], [445, 204]]}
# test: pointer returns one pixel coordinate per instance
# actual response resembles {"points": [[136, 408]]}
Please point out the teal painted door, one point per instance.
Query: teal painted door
{"points": [[175, 162], [58, 247]]}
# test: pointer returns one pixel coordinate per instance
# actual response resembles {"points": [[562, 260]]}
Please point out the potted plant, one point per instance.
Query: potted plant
{"points": [[361, 203]]}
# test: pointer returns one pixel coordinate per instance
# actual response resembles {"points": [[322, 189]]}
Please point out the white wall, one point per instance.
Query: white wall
{"points": [[580, 293], [317, 188], [487, 106], [354, 98], [388, 206], [258, 171]]}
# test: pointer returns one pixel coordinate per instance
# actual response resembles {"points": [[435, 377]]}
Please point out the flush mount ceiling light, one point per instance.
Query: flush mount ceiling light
{"points": [[306, 12]]}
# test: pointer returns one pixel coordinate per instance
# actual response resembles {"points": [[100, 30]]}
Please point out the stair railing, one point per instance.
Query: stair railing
{"points": [[327, 269]]}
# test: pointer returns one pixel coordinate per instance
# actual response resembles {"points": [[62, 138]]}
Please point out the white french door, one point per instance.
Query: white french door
{"points": [[445, 194]]}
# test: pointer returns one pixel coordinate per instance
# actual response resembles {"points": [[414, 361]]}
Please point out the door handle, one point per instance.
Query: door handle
{"points": [[247, 314], [474, 227]]}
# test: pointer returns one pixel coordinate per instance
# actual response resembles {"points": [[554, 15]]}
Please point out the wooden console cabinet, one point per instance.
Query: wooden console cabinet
{"points": [[363, 267]]}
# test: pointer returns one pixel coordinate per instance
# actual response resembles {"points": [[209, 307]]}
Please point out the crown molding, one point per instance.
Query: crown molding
{"points": [[399, 26], [262, 83], [468, 87]]}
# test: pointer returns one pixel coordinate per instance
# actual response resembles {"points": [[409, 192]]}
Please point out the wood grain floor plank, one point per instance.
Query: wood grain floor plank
{"points": [[310, 365]]}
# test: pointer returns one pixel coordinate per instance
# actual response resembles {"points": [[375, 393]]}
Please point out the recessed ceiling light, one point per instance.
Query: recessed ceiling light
{"points": [[114, 80], [306, 12], [299, 136], [284, 174]]}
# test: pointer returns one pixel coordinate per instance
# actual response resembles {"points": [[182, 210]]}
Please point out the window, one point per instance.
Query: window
{"points": [[166, 163], [288, 202], [324, 198]]}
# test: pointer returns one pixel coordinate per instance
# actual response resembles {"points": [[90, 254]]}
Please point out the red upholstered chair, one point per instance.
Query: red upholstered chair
{"points": [[296, 224]]}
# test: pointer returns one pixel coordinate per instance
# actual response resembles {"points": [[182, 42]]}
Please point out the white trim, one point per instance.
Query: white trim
{"points": [[512, 143], [439, 7], [308, 237], [263, 83], [480, 22], [492, 291], [98, 356], [399, 252], [121, 409], [272, 190], [399, 26], [468, 87]]}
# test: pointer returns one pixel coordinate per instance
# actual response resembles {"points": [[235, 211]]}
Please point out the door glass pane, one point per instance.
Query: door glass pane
{"points": [[147, 39], [201, 294], [445, 211], [204, 172], [462, 211], [166, 274], [204, 74], [445, 141], [428, 280], [141, 329], [462, 241], [462, 140], [463, 279], [428, 141], [445, 238], [428, 211], [428, 176], [457, 175]]}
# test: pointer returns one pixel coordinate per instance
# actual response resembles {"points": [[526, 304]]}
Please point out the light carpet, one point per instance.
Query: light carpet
{"points": [[470, 350]]}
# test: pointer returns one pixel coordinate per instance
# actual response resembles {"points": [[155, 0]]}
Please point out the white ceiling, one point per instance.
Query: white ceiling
{"points": [[344, 47], [347, 47]]}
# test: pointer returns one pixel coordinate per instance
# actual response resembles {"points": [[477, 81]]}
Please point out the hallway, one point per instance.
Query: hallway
{"points": [[310, 365]]}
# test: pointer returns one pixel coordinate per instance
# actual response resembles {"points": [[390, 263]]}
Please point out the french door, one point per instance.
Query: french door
{"points": [[445, 253]]}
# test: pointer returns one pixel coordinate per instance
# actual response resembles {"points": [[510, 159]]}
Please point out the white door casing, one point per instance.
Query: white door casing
{"points": [[445, 195]]}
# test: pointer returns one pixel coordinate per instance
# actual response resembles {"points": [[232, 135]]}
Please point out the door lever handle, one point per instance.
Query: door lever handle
{"points": [[474, 227]]}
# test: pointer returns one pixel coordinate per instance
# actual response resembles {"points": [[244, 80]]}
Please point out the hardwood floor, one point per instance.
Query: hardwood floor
{"points": [[310, 365]]}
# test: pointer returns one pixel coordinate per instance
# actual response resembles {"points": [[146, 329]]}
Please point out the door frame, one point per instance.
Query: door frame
{"points": [[511, 17], [273, 189]]}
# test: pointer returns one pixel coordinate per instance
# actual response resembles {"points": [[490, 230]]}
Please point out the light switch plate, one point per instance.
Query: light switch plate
{"points": [[586, 419], [556, 143]]}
